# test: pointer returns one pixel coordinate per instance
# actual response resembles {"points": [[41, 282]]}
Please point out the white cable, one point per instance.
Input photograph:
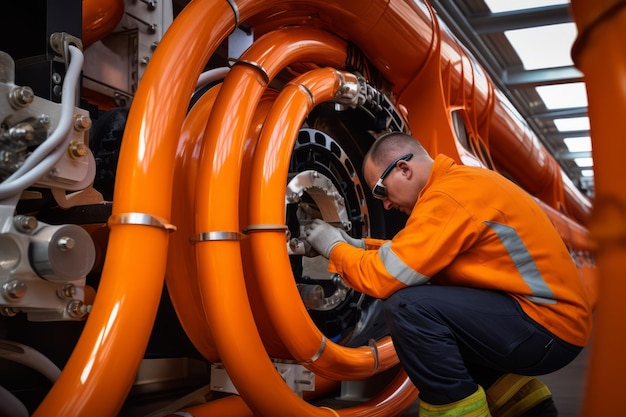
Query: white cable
{"points": [[212, 75], [41, 161], [10, 405], [30, 357]]}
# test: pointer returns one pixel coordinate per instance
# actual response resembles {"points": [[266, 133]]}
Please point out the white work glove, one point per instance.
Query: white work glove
{"points": [[322, 237], [357, 243]]}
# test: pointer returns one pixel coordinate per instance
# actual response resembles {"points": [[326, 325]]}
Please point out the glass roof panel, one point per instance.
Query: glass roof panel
{"points": [[579, 144], [561, 96], [544, 46], [572, 123], [497, 6], [584, 162]]}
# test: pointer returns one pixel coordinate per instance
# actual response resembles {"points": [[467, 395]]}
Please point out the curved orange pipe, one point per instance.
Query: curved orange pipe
{"points": [[279, 49], [237, 339], [397, 397], [235, 406], [232, 406], [100, 18], [117, 331], [180, 274], [271, 262], [599, 53], [272, 342]]}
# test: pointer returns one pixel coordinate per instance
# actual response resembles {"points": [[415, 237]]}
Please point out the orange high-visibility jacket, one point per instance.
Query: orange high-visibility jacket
{"points": [[473, 227]]}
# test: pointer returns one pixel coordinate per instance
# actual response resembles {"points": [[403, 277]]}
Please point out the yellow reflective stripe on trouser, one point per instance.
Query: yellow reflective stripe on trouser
{"points": [[473, 406], [512, 395]]}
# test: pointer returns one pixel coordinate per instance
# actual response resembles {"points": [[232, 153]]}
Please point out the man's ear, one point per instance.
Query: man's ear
{"points": [[405, 169]]}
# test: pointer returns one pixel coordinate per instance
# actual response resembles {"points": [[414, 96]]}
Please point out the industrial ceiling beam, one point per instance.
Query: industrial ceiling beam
{"points": [[520, 19]]}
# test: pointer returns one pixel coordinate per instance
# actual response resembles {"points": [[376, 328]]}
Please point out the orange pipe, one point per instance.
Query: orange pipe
{"points": [[279, 49], [392, 401], [117, 331], [234, 406], [180, 275], [271, 261], [272, 342], [599, 53], [393, 35], [100, 18], [237, 339]]}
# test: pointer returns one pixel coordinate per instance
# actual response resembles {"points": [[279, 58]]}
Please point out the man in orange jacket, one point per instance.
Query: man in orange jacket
{"points": [[481, 293]]}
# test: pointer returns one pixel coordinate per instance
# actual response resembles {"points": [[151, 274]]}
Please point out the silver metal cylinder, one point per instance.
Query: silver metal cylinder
{"points": [[62, 253]]}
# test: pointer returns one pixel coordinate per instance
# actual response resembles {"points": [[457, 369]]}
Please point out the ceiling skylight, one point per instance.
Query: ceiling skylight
{"points": [[497, 6], [572, 123], [584, 162], [580, 144], [561, 96], [544, 46]]}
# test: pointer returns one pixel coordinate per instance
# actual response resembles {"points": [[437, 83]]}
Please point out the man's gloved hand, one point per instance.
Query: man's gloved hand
{"points": [[357, 243], [322, 237]]}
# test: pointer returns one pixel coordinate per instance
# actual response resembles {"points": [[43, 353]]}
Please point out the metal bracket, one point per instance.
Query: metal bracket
{"points": [[60, 41]]}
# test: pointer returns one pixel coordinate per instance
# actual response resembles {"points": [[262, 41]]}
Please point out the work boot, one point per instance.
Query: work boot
{"points": [[473, 406], [520, 396]]}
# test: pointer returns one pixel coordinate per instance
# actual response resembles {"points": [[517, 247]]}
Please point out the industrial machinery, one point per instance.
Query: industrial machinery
{"points": [[158, 163]]}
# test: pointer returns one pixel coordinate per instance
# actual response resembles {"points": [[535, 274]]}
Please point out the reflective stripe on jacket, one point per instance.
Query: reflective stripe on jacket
{"points": [[473, 227]]}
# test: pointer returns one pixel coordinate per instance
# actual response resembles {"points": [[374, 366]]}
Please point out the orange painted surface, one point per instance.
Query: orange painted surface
{"points": [[100, 18], [600, 55]]}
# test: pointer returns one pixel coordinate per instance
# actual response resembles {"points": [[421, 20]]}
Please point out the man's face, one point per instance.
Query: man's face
{"points": [[397, 184]]}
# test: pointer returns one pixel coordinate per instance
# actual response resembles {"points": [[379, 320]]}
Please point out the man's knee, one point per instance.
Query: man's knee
{"points": [[415, 296], [408, 305]]}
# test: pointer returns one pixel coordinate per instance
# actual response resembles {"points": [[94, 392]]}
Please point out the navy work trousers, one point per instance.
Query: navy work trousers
{"points": [[449, 339]]}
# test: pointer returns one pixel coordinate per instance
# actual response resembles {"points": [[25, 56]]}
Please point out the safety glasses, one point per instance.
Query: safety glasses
{"points": [[380, 191]]}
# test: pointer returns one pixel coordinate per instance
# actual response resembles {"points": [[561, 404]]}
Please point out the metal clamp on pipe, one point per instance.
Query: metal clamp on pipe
{"points": [[374, 347], [235, 8], [212, 236], [140, 219], [234, 61], [317, 355], [274, 228], [269, 227]]}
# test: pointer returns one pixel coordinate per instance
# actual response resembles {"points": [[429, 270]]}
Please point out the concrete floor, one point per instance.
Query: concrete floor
{"points": [[568, 386]]}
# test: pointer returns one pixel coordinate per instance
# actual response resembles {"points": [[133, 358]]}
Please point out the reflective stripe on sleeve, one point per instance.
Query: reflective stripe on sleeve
{"points": [[398, 269], [524, 263]]}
